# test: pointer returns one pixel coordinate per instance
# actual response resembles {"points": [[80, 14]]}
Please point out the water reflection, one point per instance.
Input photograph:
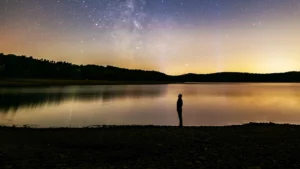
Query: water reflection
{"points": [[204, 104], [12, 99]]}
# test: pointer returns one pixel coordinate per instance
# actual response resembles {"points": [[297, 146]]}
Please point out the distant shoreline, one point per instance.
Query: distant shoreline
{"points": [[60, 82], [67, 82], [27, 71]]}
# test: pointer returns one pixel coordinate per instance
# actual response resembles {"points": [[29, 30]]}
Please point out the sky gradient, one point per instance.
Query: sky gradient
{"points": [[171, 36]]}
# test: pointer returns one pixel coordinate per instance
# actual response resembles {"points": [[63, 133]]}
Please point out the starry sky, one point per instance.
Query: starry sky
{"points": [[171, 36]]}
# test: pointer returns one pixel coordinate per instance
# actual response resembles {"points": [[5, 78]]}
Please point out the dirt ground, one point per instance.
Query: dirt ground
{"points": [[249, 146]]}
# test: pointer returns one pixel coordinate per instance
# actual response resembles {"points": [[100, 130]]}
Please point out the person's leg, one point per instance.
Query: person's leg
{"points": [[180, 117], [178, 112], [181, 120]]}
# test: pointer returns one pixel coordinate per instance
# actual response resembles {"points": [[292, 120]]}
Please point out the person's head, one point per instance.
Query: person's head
{"points": [[180, 96]]}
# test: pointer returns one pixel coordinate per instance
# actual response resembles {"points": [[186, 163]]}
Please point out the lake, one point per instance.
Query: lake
{"points": [[205, 104]]}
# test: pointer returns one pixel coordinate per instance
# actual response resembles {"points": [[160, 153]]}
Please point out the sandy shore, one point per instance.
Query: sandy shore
{"points": [[250, 146]]}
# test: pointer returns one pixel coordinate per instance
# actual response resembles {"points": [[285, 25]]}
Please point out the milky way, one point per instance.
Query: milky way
{"points": [[172, 36]]}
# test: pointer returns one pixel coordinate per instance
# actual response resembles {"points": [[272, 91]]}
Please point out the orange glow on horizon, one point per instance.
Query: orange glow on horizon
{"points": [[260, 43]]}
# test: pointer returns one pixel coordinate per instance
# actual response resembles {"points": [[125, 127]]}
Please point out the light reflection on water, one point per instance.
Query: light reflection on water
{"points": [[204, 104]]}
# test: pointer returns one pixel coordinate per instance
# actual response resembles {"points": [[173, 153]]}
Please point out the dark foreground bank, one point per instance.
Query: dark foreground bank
{"points": [[250, 146]]}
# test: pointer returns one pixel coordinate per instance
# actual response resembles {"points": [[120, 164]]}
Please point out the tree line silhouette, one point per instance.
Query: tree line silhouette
{"points": [[12, 66]]}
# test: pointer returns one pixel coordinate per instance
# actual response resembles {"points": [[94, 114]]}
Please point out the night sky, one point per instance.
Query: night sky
{"points": [[171, 36]]}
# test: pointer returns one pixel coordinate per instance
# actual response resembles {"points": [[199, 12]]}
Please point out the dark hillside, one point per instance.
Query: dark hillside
{"points": [[22, 67]]}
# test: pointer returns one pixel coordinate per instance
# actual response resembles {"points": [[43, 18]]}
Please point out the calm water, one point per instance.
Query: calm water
{"points": [[204, 104]]}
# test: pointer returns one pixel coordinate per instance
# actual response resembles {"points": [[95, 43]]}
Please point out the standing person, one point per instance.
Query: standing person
{"points": [[179, 109]]}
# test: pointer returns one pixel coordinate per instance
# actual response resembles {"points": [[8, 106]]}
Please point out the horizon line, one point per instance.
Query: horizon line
{"points": [[190, 73]]}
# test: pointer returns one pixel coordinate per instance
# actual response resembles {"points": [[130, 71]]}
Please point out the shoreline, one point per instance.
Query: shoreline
{"points": [[104, 126], [247, 146], [61, 82], [67, 82]]}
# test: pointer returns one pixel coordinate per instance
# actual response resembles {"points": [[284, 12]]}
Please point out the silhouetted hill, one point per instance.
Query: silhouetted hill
{"points": [[240, 77], [12, 66]]}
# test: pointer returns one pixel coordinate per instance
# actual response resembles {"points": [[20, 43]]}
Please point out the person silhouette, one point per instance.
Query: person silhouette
{"points": [[179, 109]]}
